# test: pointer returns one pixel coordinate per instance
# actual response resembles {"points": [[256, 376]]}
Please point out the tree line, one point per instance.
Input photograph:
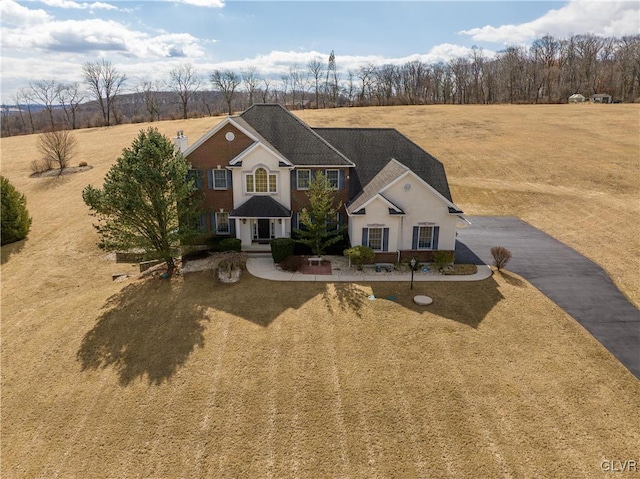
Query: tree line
{"points": [[548, 71]]}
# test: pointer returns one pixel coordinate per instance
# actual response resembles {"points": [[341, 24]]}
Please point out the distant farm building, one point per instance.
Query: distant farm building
{"points": [[601, 98], [576, 98]]}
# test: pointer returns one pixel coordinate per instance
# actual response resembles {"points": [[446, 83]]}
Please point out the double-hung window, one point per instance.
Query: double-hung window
{"points": [[196, 176], [375, 239], [222, 223], [220, 179], [333, 178], [425, 237], [304, 179]]}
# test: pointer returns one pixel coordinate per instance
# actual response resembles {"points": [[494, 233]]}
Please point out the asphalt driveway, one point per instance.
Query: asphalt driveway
{"points": [[573, 282]]}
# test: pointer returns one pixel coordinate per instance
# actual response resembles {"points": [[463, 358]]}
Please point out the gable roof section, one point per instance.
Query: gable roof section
{"points": [[371, 149], [293, 138], [229, 120], [391, 171], [260, 207]]}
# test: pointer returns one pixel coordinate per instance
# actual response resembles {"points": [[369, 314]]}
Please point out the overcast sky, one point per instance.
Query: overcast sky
{"points": [[51, 39]]}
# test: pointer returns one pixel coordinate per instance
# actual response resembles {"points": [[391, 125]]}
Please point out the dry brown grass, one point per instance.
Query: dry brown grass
{"points": [[188, 378], [571, 170]]}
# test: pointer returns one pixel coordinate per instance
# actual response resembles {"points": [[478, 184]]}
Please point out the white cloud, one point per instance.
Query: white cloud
{"points": [[13, 13], [279, 62], [204, 3], [79, 5], [99, 36], [578, 16]]}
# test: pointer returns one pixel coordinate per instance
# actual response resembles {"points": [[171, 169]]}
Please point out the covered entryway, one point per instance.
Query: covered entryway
{"points": [[261, 219]]}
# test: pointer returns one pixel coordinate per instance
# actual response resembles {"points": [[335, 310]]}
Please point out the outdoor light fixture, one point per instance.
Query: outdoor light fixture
{"points": [[244, 221], [413, 268], [280, 220]]}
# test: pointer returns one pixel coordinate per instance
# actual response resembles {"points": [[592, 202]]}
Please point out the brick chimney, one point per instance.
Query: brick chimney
{"points": [[180, 141]]}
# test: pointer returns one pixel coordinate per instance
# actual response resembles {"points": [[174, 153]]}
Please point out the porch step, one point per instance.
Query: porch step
{"points": [[257, 254]]}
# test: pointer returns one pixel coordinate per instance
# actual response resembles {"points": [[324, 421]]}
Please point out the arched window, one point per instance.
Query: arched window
{"points": [[261, 180]]}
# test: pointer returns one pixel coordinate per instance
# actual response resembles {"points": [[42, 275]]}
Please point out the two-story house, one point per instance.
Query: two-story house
{"points": [[254, 169]]}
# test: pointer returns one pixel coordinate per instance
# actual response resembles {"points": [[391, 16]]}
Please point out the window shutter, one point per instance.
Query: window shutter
{"points": [[436, 234], [339, 221], [294, 220], [213, 222], [312, 176], [385, 239], [232, 227], [294, 179], [229, 179], [203, 222], [365, 236], [341, 179], [210, 178], [414, 242]]}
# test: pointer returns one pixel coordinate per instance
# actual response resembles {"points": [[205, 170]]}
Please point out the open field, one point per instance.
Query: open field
{"points": [[189, 378]]}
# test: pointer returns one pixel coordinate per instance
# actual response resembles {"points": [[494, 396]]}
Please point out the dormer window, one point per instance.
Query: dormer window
{"points": [[261, 182]]}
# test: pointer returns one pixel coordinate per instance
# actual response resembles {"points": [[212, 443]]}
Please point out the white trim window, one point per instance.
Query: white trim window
{"points": [[333, 177], [219, 179], [222, 223], [304, 179], [425, 237], [375, 239], [261, 182]]}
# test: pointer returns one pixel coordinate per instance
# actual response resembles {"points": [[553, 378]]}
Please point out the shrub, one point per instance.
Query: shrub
{"points": [[291, 263], [501, 256], [213, 243], [282, 248], [442, 259], [230, 244], [360, 255], [58, 147], [232, 260], [82, 164], [38, 166], [15, 222]]}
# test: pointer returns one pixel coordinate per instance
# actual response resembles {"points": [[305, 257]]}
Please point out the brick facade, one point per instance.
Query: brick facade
{"points": [[218, 151]]}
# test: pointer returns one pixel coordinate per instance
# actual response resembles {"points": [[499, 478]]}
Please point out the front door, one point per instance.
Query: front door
{"points": [[264, 227]]}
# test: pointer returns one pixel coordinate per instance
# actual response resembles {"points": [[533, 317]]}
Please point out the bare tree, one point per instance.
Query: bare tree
{"points": [[104, 82], [250, 78], [150, 97], [477, 70], [265, 90], [58, 147], [70, 96], [365, 74], [316, 68], [226, 82], [184, 81], [45, 94], [25, 95], [285, 85]]}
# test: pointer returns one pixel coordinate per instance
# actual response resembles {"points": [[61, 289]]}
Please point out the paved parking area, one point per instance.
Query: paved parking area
{"points": [[573, 282]]}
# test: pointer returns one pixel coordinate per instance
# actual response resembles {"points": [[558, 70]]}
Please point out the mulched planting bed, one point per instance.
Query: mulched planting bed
{"points": [[323, 268]]}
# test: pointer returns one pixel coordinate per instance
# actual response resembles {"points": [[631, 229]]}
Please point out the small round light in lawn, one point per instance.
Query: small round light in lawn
{"points": [[422, 300]]}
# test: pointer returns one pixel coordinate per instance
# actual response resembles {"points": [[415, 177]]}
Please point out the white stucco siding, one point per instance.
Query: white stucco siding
{"points": [[377, 217], [261, 156], [421, 204]]}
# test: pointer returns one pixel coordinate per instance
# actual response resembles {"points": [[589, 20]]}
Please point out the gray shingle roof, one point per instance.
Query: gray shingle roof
{"points": [[386, 175], [261, 207], [372, 148], [294, 139]]}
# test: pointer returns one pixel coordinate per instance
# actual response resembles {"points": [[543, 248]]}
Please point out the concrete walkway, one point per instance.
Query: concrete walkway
{"points": [[573, 282], [263, 267]]}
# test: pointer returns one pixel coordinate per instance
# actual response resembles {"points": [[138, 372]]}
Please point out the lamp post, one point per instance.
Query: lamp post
{"points": [[413, 268]]}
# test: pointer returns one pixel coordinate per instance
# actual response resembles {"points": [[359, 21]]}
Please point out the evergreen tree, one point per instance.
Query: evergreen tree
{"points": [[146, 201], [322, 198], [16, 221]]}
